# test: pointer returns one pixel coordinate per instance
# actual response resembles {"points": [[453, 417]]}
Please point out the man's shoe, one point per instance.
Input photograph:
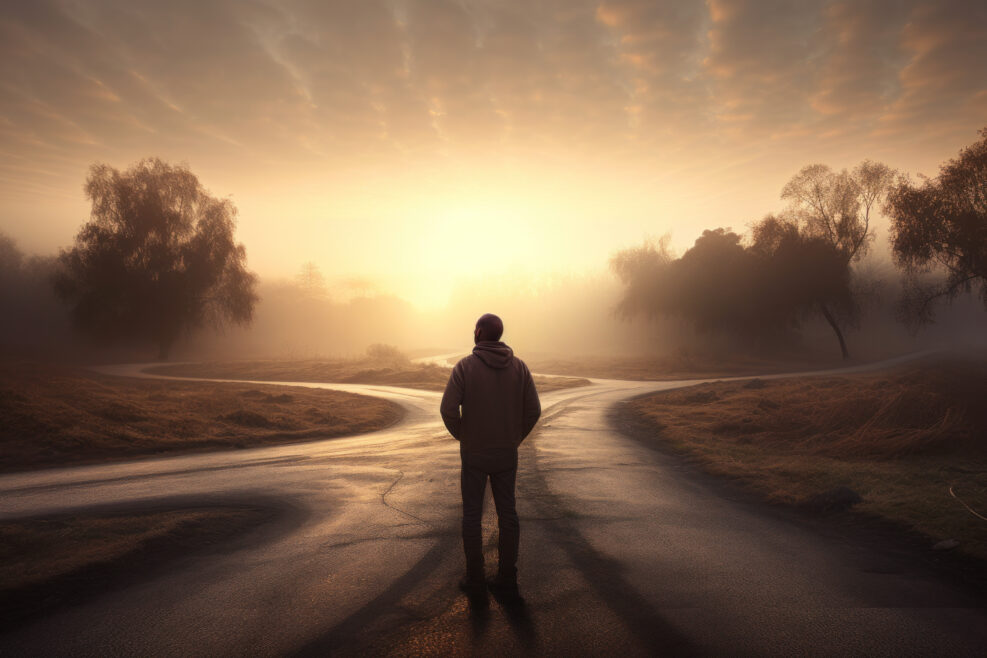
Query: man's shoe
{"points": [[471, 586], [506, 593]]}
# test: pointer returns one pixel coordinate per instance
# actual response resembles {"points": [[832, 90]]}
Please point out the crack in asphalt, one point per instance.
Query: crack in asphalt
{"points": [[383, 499]]}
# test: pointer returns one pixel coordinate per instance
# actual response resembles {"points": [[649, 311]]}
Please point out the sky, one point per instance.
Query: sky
{"points": [[406, 145]]}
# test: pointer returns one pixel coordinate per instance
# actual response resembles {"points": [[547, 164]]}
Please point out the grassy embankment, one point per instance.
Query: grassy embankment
{"points": [[397, 372], [58, 416], [900, 439], [49, 563]]}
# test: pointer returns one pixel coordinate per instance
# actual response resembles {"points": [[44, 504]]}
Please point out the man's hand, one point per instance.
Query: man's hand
{"points": [[532, 405], [451, 400]]}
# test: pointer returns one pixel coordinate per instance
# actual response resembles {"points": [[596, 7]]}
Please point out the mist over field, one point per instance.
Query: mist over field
{"points": [[564, 316], [849, 258]]}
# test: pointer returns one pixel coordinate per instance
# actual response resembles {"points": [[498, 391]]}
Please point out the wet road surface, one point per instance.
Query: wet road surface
{"points": [[623, 550]]}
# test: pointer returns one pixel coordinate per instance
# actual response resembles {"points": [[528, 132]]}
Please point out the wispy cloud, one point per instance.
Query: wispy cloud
{"points": [[321, 87]]}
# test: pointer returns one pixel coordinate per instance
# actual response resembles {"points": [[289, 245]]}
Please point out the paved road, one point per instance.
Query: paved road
{"points": [[623, 551]]}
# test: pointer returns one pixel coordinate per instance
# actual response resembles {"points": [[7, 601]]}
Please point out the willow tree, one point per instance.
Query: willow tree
{"points": [[156, 258], [836, 207]]}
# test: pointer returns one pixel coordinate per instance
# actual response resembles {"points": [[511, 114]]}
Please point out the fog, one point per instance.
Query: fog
{"points": [[33, 322], [553, 315], [569, 316]]}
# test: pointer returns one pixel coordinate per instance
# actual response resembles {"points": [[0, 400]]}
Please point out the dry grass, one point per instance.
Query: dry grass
{"points": [[50, 562], [900, 439], [395, 372], [56, 416], [39, 550]]}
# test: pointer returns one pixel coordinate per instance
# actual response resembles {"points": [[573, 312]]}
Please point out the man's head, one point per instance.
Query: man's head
{"points": [[488, 327]]}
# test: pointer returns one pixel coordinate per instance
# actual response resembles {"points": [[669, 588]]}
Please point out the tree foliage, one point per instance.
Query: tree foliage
{"points": [[157, 257], [805, 274], [941, 225], [32, 318], [836, 206], [794, 265], [758, 289], [311, 280]]}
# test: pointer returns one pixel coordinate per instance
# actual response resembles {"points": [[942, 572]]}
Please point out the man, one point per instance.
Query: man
{"points": [[499, 409]]}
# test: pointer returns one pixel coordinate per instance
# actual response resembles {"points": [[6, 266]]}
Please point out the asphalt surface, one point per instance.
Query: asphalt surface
{"points": [[623, 551]]}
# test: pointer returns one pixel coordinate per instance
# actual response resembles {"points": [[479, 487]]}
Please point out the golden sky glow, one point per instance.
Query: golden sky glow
{"points": [[411, 143]]}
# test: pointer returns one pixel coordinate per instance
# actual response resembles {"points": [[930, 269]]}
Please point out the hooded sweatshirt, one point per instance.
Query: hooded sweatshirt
{"points": [[497, 396]]}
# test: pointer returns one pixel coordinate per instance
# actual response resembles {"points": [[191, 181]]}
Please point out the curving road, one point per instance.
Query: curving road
{"points": [[623, 551]]}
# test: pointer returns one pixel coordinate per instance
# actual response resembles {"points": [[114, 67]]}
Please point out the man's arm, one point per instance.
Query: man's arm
{"points": [[532, 405], [451, 399]]}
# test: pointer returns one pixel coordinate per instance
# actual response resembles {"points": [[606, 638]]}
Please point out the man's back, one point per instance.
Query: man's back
{"points": [[497, 393]]}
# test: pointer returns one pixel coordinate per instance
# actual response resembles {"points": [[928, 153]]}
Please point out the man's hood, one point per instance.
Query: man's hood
{"points": [[494, 353]]}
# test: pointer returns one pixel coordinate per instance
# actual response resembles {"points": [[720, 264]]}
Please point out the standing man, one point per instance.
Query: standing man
{"points": [[500, 407]]}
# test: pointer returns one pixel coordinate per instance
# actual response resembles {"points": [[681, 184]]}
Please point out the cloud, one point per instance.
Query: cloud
{"points": [[762, 62], [660, 48], [942, 81], [319, 84], [860, 59]]}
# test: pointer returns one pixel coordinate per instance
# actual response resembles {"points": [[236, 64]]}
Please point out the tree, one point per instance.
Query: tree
{"points": [[829, 204], [836, 208], [156, 258], [716, 284], [311, 280], [32, 318], [11, 257], [802, 274], [644, 271], [759, 290], [708, 286], [942, 225]]}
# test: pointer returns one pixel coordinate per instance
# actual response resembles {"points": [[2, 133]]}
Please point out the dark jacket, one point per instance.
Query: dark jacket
{"points": [[498, 398]]}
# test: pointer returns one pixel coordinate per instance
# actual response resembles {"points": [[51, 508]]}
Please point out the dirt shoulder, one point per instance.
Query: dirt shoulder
{"points": [[909, 442], [427, 376], [59, 416]]}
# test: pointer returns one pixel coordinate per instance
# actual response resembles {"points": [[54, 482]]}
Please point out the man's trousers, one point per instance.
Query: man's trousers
{"points": [[499, 465]]}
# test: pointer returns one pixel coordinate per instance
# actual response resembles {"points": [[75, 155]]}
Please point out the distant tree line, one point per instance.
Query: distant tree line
{"points": [[800, 263], [158, 257], [32, 318]]}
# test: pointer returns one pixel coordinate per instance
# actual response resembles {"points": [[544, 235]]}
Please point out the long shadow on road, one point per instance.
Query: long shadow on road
{"points": [[386, 622], [604, 575], [266, 519], [350, 633]]}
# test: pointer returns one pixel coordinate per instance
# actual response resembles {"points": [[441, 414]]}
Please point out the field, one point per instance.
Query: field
{"points": [[58, 416], [910, 442], [394, 372]]}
